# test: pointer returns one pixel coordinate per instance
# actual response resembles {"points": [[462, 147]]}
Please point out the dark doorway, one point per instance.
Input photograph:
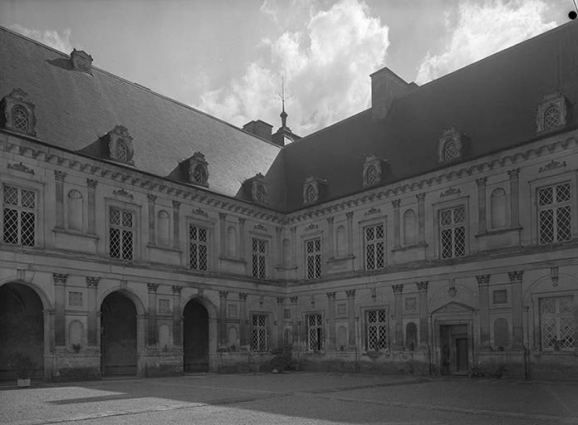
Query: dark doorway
{"points": [[21, 328], [196, 338], [454, 351], [118, 336]]}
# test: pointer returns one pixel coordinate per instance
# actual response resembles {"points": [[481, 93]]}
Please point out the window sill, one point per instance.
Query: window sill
{"points": [[409, 247], [498, 231], [286, 268], [74, 233], [339, 259], [164, 248], [233, 260]]}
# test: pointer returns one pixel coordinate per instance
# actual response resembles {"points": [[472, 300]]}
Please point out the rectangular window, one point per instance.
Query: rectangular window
{"points": [[121, 237], [376, 331], [554, 213], [259, 341], [452, 223], [314, 332], [259, 257], [313, 258], [198, 247], [374, 247], [557, 326], [19, 216], [500, 296]]}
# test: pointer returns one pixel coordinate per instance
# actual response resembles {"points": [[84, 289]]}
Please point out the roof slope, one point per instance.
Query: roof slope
{"points": [[74, 109], [492, 101]]}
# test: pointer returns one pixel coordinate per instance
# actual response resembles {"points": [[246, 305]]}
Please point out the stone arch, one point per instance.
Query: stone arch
{"points": [[566, 282], [205, 302], [464, 295], [138, 303], [46, 303], [498, 208]]}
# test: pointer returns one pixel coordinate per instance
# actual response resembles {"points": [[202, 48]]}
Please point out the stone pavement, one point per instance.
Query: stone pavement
{"points": [[292, 398]]}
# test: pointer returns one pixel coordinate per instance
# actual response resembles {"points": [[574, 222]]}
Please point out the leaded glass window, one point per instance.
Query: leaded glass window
{"points": [[259, 257], [450, 150], [19, 216], [374, 247], [313, 258], [260, 194], [121, 152], [310, 194], [259, 329], [452, 222], [121, 234], [199, 175], [376, 329], [371, 176], [314, 332], [551, 117], [554, 213], [20, 120], [198, 247], [557, 326]]}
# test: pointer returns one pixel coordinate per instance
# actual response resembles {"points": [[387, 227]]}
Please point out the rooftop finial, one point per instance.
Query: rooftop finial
{"points": [[283, 114]]}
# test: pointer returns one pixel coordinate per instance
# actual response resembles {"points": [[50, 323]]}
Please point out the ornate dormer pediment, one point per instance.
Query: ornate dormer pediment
{"points": [[552, 112], [258, 188], [198, 170], [314, 190], [120, 145], [452, 145], [374, 169], [17, 113]]}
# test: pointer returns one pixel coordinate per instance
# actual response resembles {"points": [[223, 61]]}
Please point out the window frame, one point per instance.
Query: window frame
{"points": [[539, 341], [535, 320], [553, 179], [437, 208], [364, 226], [320, 331], [38, 189], [310, 238], [207, 244], [122, 228], [135, 209], [266, 256], [365, 328], [266, 327]]}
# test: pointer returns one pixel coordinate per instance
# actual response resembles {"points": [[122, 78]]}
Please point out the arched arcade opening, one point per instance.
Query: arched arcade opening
{"points": [[195, 337]]}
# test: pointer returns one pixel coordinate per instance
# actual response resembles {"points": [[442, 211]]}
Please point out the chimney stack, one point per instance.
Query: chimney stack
{"points": [[259, 128], [386, 86], [81, 61]]}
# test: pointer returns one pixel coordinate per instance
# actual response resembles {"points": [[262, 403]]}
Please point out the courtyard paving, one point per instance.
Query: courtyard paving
{"points": [[292, 398]]}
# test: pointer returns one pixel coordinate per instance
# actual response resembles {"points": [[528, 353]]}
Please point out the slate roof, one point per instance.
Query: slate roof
{"points": [[74, 109], [492, 101]]}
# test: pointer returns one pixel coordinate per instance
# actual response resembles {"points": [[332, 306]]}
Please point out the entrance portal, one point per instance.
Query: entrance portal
{"points": [[21, 327], [118, 336], [454, 343], [196, 338]]}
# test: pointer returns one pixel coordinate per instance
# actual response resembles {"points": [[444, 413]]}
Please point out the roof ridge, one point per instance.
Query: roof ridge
{"points": [[498, 53], [139, 86]]}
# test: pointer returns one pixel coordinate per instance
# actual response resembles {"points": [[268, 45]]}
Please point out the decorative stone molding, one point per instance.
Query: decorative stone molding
{"points": [[176, 204], [17, 113], [450, 191], [92, 282], [91, 183], [373, 170], [350, 293], [552, 112], [21, 167], [313, 190], [396, 203], [123, 193], [223, 294], [198, 170], [372, 211], [152, 287], [451, 145], [481, 181], [311, 227], [422, 286], [258, 189], [331, 295], [199, 211], [120, 145], [259, 226], [516, 277], [293, 300], [420, 197], [243, 296], [514, 174], [554, 276], [397, 289], [280, 300], [151, 198], [483, 279], [59, 278], [81, 61], [552, 165], [177, 289]]}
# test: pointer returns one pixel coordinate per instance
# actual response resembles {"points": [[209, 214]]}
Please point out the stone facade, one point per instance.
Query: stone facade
{"points": [[467, 269]]}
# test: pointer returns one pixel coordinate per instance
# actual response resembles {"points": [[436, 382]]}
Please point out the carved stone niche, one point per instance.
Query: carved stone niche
{"points": [[314, 190], [552, 112], [452, 145], [198, 170], [18, 113], [257, 187], [120, 145], [374, 169], [81, 61]]}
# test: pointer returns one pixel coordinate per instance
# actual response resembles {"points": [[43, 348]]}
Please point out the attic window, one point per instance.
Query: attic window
{"points": [[20, 119], [373, 168], [552, 112], [260, 194], [17, 113], [122, 151], [313, 190], [257, 188], [120, 145], [198, 169], [311, 195], [451, 145]]}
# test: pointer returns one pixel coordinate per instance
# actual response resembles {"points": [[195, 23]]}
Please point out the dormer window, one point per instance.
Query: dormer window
{"points": [[120, 145], [17, 113], [451, 145], [552, 112], [313, 190], [373, 168], [260, 194], [198, 170], [256, 189]]}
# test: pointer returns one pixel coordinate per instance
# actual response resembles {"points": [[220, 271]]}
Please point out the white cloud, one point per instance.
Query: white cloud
{"points": [[326, 65], [48, 37], [484, 29]]}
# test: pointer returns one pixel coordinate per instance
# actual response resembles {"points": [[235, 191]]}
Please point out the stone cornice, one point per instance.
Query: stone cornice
{"points": [[137, 178], [431, 179]]}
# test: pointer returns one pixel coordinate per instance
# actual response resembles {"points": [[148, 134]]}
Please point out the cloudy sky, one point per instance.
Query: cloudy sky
{"points": [[228, 57]]}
